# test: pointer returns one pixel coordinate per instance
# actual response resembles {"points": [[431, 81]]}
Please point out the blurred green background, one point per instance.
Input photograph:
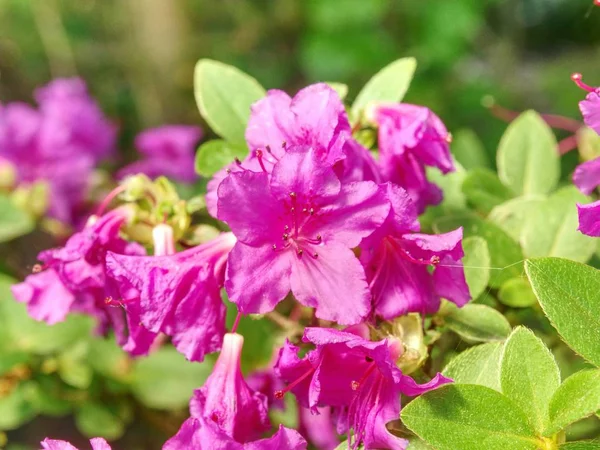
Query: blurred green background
{"points": [[137, 57]]}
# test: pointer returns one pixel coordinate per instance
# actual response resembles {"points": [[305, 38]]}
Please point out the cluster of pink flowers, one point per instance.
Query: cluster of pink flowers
{"points": [[62, 141], [587, 175], [311, 213]]}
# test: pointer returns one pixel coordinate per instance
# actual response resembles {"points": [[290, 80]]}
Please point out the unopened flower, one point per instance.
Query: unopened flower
{"points": [[296, 228], [178, 294], [397, 262], [410, 138], [590, 107], [589, 219], [355, 375], [167, 150], [227, 400], [200, 434], [51, 444]]}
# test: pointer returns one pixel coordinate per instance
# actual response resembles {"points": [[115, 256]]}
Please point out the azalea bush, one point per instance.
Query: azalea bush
{"points": [[325, 274]]}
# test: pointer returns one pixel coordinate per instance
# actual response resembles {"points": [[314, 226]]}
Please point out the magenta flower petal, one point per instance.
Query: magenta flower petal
{"points": [[587, 176], [318, 428], [333, 282], [258, 278], [271, 122], [283, 439], [46, 297], [51, 444], [589, 218], [590, 109], [227, 400]]}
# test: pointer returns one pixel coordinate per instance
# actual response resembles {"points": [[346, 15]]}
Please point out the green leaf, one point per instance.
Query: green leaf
{"points": [[505, 254], [476, 264], [512, 215], [99, 420], [477, 323], [468, 150], [484, 190], [166, 380], [529, 375], [477, 365], [13, 221], [528, 159], [517, 293], [340, 88], [568, 293], [469, 417], [73, 368], [580, 445], [388, 85], [576, 398], [15, 407], [213, 155], [588, 143], [416, 444], [551, 230], [224, 95], [108, 359]]}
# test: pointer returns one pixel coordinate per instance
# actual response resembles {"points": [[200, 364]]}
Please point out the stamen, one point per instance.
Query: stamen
{"points": [[283, 145], [315, 241], [37, 268], [279, 394], [577, 79], [259, 156], [356, 384], [109, 198], [315, 255], [285, 236], [237, 322], [449, 138], [237, 161], [268, 148], [300, 252]]}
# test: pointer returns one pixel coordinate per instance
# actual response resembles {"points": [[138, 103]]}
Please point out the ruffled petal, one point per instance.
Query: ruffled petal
{"points": [[587, 176], [590, 109], [411, 388], [333, 282], [589, 218], [284, 439], [258, 278], [271, 123]]}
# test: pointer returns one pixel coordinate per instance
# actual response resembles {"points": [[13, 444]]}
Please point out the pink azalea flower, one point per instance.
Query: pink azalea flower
{"points": [[315, 118], [397, 261], [296, 228], [589, 218], [167, 150], [587, 176], [410, 138], [51, 444], [590, 107], [355, 375], [177, 294], [76, 272], [227, 400], [198, 434]]}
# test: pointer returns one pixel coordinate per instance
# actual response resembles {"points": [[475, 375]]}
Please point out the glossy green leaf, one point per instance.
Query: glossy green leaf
{"points": [[528, 159], [469, 417], [224, 95], [476, 264], [517, 293], [551, 229], [477, 365], [529, 375], [568, 293], [468, 150], [166, 380], [477, 323], [505, 254], [484, 190], [13, 221], [99, 420], [388, 85], [512, 215], [214, 155], [576, 398]]}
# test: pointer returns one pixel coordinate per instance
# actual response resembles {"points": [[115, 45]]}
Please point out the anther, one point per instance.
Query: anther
{"points": [[283, 145], [259, 156], [292, 194], [300, 252], [274, 247], [354, 385], [311, 211], [315, 255], [449, 138], [286, 228], [577, 79], [37, 268], [285, 236], [237, 161], [228, 170], [435, 260], [268, 148]]}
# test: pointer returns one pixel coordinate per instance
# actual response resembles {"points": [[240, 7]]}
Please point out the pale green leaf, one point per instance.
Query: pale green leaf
{"points": [[588, 143], [340, 88], [569, 295], [388, 85], [477, 323], [512, 215], [551, 229], [469, 417], [13, 221], [527, 158], [468, 150], [16, 408], [580, 445], [98, 420], [505, 254], [576, 398], [477, 365], [214, 155], [476, 264], [529, 375], [517, 293], [484, 190], [224, 95]]}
